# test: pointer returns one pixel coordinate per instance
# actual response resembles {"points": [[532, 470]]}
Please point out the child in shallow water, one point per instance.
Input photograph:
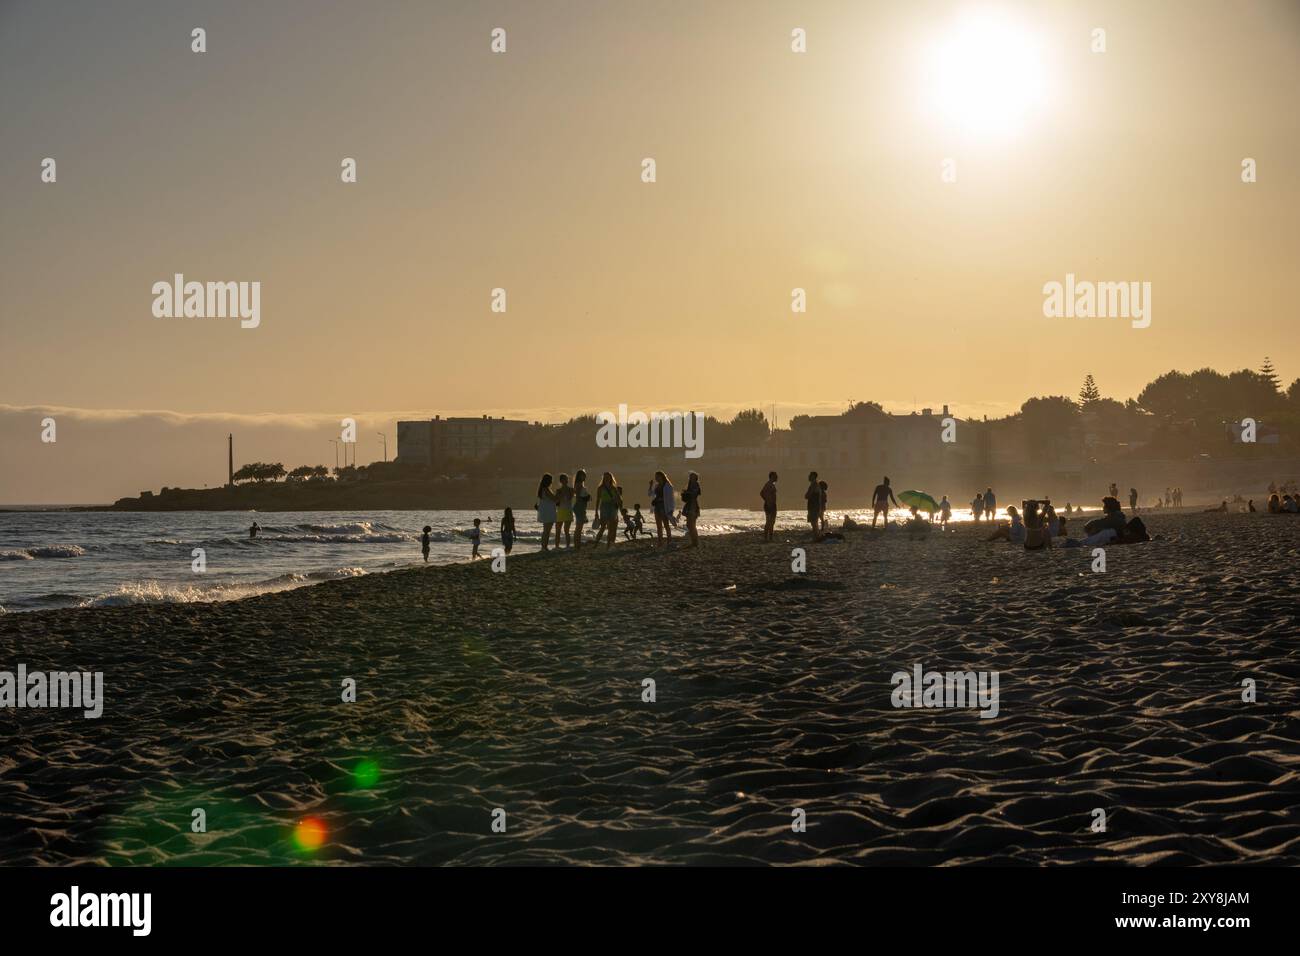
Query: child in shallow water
{"points": [[424, 542], [475, 535]]}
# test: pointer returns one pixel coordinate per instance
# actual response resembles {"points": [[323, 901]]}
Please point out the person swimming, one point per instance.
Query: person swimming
{"points": [[253, 529]]}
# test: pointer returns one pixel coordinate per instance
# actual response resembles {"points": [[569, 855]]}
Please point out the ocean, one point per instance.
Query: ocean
{"points": [[54, 559], [51, 559]]}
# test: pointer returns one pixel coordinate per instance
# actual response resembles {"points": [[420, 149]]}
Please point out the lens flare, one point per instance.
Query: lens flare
{"points": [[366, 774], [309, 834]]}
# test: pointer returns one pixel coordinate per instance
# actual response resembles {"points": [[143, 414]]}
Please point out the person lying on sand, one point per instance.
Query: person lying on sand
{"points": [[916, 522], [1133, 532], [1222, 509]]}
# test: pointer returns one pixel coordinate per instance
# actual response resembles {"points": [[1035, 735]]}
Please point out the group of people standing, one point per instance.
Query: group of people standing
{"points": [[1173, 497], [564, 508], [984, 504], [816, 497]]}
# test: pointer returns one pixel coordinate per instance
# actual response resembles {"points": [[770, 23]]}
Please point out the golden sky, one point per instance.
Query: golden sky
{"points": [[775, 170]]}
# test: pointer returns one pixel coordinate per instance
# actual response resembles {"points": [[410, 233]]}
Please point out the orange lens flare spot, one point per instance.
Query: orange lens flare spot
{"points": [[309, 834]]}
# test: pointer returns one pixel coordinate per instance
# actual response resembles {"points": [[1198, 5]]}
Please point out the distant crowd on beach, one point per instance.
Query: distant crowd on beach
{"points": [[566, 509]]}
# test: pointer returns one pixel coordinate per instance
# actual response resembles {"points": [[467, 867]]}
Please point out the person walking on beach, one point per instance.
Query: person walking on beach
{"points": [[580, 498], [638, 521], [977, 506], [814, 498], [990, 505], [563, 511], [424, 542], [508, 530], [768, 494], [691, 508], [608, 503], [253, 529], [1114, 490], [822, 508], [546, 512], [945, 512], [880, 499], [475, 535], [663, 505]]}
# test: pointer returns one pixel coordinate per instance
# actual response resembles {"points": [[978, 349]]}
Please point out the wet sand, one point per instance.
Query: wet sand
{"points": [[523, 691]]}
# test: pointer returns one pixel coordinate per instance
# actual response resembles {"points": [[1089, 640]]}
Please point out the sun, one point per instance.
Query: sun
{"points": [[985, 75]]}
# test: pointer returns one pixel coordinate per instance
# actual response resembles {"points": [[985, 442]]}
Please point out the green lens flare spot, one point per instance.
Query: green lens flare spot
{"points": [[366, 774]]}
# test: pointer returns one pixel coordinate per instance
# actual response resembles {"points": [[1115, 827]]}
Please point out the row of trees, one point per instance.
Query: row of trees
{"points": [[1176, 415], [260, 472]]}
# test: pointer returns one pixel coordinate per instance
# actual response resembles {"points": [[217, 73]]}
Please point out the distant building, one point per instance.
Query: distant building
{"points": [[884, 441], [436, 440]]}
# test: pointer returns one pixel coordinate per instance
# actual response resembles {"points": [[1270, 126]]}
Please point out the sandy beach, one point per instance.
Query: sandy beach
{"points": [[523, 691]]}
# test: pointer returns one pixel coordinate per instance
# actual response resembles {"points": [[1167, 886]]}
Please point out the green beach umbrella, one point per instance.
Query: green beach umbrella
{"points": [[918, 500]]}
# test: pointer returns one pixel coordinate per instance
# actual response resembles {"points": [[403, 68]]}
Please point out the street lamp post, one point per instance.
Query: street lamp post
{"points": [[384, 438], [335, 443]]}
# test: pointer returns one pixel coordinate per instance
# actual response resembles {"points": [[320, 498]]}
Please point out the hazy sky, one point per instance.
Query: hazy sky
{"points": [[522, 170]]}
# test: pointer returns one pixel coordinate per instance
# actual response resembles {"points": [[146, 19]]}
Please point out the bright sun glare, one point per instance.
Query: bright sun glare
{"points": [[985, 75]]}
